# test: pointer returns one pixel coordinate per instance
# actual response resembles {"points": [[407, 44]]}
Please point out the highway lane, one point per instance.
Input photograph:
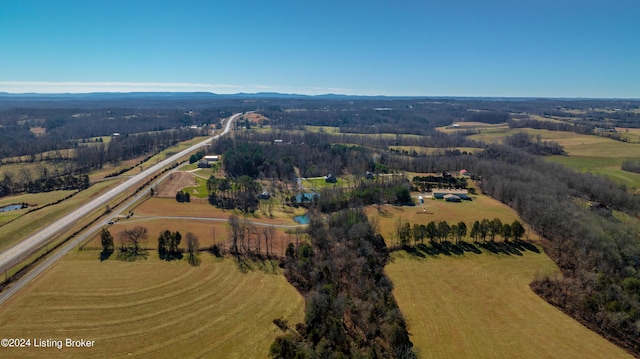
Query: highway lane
{"points": [[25, 247]]}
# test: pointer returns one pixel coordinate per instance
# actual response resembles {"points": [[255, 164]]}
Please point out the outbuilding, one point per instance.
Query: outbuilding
{"points": [[212, 159], [452, 198]]}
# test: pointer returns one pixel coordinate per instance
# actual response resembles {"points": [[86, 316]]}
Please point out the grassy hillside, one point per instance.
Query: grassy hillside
{"points": [[481, 306], [151, 309], [586, 153]]}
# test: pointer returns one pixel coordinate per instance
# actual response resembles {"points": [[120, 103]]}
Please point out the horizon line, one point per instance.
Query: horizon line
{"points": [[26, 88]]}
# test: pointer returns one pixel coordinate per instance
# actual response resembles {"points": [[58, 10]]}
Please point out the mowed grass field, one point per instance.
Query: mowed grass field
{"points": [[151, 309], [481, 306]]}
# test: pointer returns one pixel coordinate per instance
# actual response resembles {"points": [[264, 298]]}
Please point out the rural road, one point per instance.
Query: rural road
{"points": [[22, 249]]}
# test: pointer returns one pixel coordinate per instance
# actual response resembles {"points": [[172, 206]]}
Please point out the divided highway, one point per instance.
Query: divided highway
{"points": [[27, 246]]}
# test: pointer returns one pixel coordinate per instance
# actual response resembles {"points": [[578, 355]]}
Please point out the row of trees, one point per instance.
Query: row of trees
{"points": [[132, 241], [247, 239], [446, 180], [442, 231], [46, 182]]}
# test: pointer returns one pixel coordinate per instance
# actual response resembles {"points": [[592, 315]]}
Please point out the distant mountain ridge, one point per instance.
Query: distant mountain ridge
{"points": [[117, 96]]}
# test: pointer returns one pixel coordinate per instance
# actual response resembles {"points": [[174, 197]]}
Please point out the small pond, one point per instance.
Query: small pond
{"points": [[304, 219], [12, 207]]}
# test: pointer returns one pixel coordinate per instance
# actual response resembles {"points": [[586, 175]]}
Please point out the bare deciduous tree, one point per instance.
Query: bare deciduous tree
{"points": [[131, 240]]}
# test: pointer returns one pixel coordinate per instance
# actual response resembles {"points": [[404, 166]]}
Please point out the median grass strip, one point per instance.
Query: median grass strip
{"points": [[153, 308], [481, 306]]}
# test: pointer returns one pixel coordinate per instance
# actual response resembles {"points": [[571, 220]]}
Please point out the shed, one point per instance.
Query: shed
{"points": [[452, 198], [204, 164], [211, 159]]}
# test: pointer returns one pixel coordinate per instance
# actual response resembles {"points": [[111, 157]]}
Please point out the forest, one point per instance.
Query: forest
{"points": [[350, 310]]}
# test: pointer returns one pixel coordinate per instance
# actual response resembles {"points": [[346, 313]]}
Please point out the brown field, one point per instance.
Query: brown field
{"points": [[481, 306], [255, 118], [201, 208], [151, 309], [176, 182]]}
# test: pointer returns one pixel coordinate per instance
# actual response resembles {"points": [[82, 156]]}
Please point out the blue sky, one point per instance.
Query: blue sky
{"points": [[540, 48]]}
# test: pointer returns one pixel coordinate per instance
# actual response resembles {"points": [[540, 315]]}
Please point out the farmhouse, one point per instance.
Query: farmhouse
{"points": [[442, 193]]}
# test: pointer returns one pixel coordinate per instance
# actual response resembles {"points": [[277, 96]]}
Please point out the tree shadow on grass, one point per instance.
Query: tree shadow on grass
{"points": [[447, 248], [171, 256], [413, 251], [507, 248], [128, 256], [526, 246], [453, 248], [268, 266], [469, 247], [426, 249], [104, 255], [244, 265], [439, 248]]}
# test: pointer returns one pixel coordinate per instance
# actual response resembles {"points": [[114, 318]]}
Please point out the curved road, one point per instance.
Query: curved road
{"points": [[28, 245]]}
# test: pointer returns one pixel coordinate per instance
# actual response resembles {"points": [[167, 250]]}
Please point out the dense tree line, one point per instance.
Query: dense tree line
{"points": [[350, 310], [234, 193], [313, 154], [446, 180], [551, 126], [631, 166], [382, 190], [73, 174], [524, 141], [66, 126], [492, 117], [46, 182]]}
